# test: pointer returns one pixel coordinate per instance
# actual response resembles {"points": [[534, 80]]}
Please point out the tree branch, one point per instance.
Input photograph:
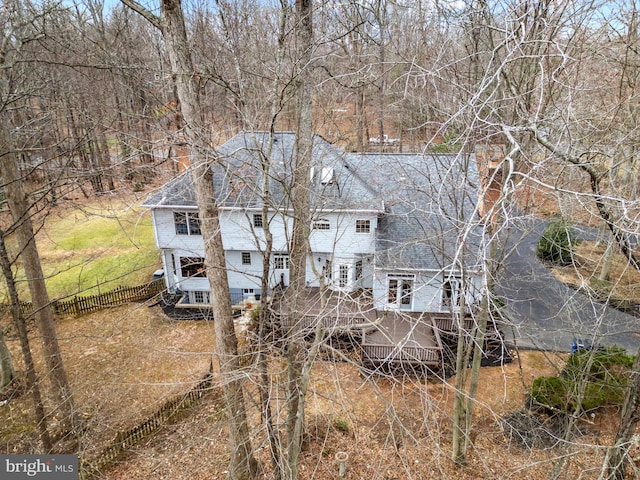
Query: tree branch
{"points": [[136, 7]]}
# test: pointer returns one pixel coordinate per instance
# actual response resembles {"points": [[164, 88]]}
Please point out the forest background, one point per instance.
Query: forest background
{"points": [[107, 101]]}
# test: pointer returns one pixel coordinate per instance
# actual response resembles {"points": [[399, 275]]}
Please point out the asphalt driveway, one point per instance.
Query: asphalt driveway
{"points": [[548, 315]]}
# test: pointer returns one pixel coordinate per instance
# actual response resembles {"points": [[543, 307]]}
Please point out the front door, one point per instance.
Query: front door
{"points": [[281, 269]]}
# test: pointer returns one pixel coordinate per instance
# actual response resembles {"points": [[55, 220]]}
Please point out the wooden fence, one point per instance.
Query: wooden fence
{"points": [[79, 305], [124, 440]]}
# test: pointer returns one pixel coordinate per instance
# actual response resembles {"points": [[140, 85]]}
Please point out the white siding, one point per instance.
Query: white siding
{"points": [[427, 291], [342, 237], [243, 276], [238, 232], [166, 236], [341, 245]]}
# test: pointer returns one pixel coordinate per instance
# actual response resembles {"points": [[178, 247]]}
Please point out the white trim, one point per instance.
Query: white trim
{"points": [[366, 211]]}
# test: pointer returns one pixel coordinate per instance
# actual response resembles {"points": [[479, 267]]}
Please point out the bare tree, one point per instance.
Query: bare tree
{"points": [[20, 31], [298, 378], [243, 464], [33, 383]]}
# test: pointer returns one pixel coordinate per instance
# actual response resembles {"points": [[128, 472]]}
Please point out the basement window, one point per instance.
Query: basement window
{"points": [[201, 297]]}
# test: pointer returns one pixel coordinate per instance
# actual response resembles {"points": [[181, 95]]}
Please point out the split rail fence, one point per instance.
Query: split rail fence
{"points": [[79, 305]]}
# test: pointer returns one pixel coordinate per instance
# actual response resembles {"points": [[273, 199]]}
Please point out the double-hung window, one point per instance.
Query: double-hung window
{"points": [[246, 258], [363, 226], [187, 223], [257, 220], [281, 261]]}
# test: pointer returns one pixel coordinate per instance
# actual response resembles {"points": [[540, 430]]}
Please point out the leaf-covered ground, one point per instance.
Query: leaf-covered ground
{"points": [[125, 362]]}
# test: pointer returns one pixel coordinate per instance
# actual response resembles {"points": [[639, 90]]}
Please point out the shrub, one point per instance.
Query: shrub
{"points": [[550, 392], [341, 425], [605, 371], [557, 243]]}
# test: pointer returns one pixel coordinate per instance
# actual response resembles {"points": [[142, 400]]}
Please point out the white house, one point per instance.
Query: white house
{"points": [[403, 227]]}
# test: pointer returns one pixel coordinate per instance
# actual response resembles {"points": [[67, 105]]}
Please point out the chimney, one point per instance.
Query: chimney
{"points": [[489, 158], [182, 154]]}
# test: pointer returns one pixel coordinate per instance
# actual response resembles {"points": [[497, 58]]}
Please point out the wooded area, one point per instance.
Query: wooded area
{"points": [[101, 98]]}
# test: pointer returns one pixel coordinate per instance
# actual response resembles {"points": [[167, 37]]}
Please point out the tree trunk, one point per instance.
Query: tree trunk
{"points": [[299, 249], [605, 273], [617, 456], [460, 405], [32, 379], [19, 207], [273, 435], [360, 115], [243, 464]]}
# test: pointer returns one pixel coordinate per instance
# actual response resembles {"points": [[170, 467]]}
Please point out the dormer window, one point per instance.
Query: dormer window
{"points": [[327, 175], [321, 224]]}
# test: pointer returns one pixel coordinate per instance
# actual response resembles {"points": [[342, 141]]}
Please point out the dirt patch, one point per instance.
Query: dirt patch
{"points": [[390, 428], [122, 364]]}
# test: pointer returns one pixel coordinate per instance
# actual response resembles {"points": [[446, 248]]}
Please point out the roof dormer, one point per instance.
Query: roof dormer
{"points": [[328, 175]]}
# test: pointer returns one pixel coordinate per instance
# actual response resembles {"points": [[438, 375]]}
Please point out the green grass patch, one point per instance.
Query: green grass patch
{"points": [[84, 231], [89, 276], [86, 253]]}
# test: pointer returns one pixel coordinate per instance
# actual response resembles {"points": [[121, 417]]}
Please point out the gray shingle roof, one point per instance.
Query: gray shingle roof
{"points": [[427, 200], [430, 206], [238, 176]]}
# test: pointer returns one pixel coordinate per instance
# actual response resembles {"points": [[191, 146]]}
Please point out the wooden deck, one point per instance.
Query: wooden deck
{"points": [[402, 338], [337, 311], [388, 338]]}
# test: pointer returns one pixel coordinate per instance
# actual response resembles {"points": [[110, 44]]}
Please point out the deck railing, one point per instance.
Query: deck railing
{"points": [[448, 324], [401, 354], [328, 322]]}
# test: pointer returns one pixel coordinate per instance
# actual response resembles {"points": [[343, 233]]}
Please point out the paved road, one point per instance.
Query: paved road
{"points": [[547, 314]]}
